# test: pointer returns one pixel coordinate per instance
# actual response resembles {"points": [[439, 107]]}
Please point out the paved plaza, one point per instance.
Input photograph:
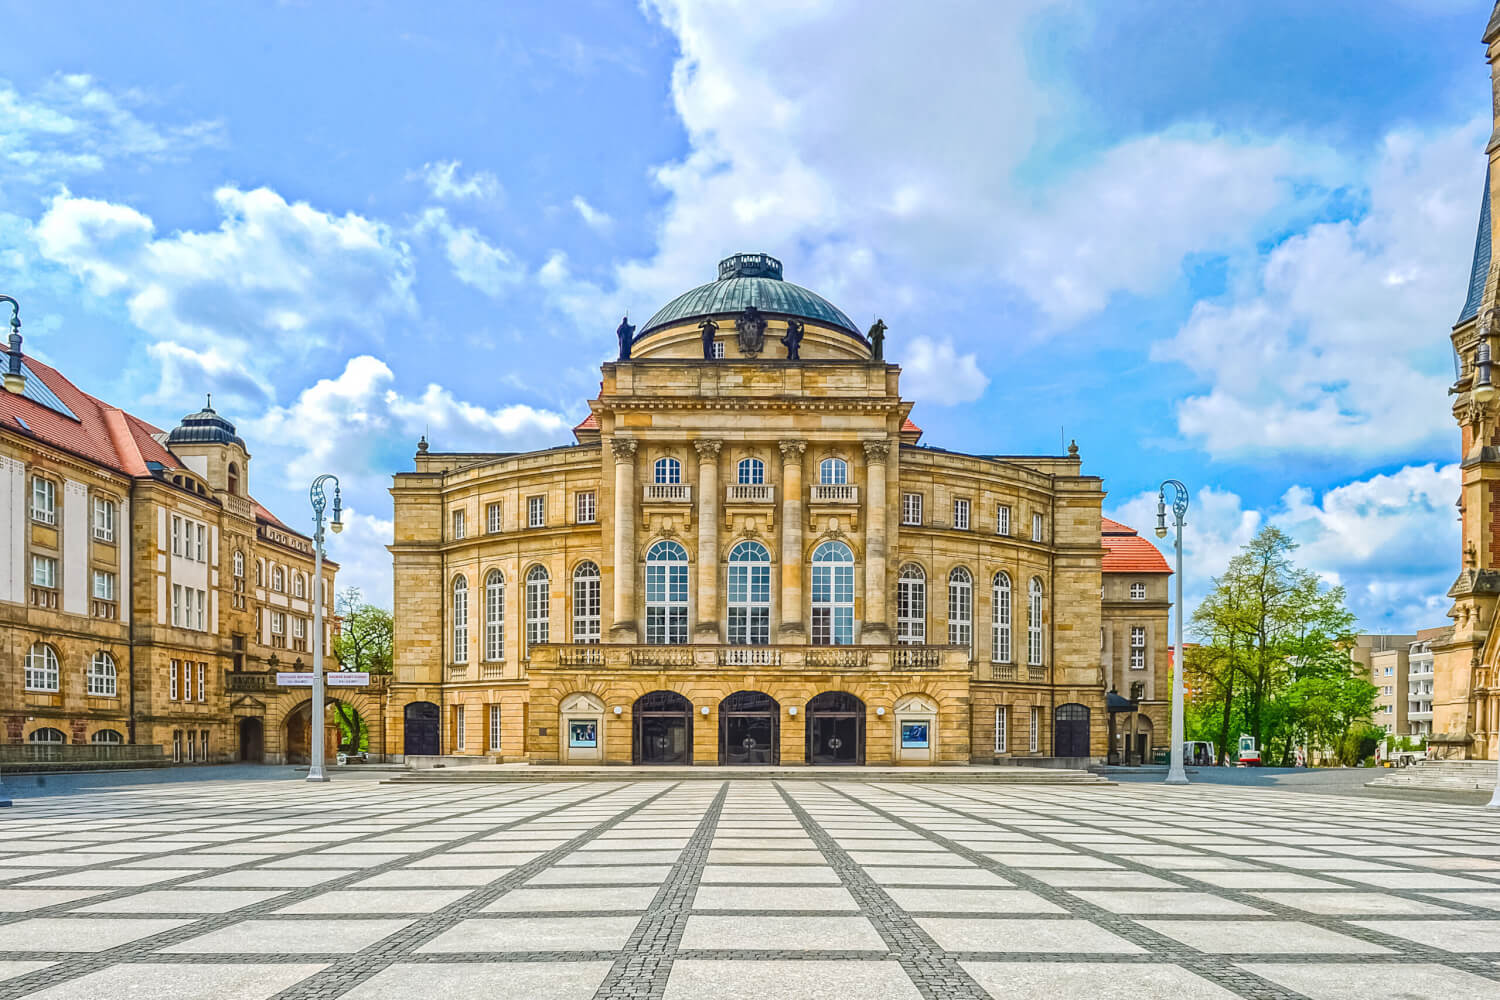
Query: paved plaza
{"points": [[743, 889]]}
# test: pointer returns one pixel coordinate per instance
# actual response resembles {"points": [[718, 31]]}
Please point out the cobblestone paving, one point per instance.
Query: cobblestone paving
{"points": [[244, 890]]}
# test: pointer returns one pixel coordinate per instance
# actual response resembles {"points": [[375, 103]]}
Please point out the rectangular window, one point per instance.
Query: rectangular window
{"points": [[536, 512], [1036, 527], [176, 605], [1002, 725], [172, 682], [201, 555], [43, 571], [492, 518], [458, 524], [104, 586], [278, 623], [189, 746], [1035, 739], [961, 515], [187, 680], [202, 672], [911, 508], [203, 745], [458, 727], [43, 500], [177, 746], [1137, 648], [718, 351], [586, 508], [1002, 520], [104, 519], [494, 727]]}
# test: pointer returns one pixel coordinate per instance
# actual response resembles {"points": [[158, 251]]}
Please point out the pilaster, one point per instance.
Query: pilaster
{"points": [[707, 628], [792, 626]]}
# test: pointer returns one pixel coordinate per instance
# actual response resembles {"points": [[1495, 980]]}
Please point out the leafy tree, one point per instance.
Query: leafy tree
{"points": [[364, 643]]}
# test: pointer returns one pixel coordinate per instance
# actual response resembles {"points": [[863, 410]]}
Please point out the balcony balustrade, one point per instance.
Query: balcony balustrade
{"points": [[750, 493], [713, 657], [667, 493], [831, 493]]}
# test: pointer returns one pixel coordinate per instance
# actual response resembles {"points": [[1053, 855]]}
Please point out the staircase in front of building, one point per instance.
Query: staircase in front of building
{"points": [[1441, 775], [971, 775]]}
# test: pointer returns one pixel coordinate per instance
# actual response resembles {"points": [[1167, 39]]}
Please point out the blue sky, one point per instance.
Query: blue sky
{"points": [[1220, 242]]}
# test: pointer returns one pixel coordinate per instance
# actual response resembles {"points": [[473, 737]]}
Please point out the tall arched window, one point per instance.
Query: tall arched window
{"points": [[102, 676], [1000, 622], [47, 735], [494, 615], [667, 594], [41, 668], [668, 470], [278, 580], [538, 607], [299, 585], [460, 620], [107, 737], [832, 595], [1034, 624], [234, 479], [960, 608], [752, 472], [833, 472], [586, 603], [239, 564], [911, 604], [749, 593]]}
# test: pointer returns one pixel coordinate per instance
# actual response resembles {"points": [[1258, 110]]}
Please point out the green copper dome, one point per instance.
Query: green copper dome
{"points": [[749, 279]]}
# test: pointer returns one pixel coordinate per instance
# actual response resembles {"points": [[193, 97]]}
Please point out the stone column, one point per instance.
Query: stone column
{"points": [[707, 629], [623, 628], [792, 627], [875, 630]]}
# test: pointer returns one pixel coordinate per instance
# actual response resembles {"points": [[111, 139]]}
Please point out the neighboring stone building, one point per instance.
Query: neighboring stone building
{"points": [[748, 558], [1466, 663], [1384, 658], [1137, 657], [145, 596]]}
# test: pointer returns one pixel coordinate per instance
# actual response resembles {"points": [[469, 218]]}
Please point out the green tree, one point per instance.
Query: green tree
{"points": [[364, 642]]}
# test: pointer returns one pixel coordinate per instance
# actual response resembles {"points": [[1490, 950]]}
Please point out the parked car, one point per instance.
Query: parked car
{"points": [[1249, 753]]}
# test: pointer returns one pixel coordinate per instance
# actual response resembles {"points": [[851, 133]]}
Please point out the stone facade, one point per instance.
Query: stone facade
{"points": [[745, 522], [146, 598]]}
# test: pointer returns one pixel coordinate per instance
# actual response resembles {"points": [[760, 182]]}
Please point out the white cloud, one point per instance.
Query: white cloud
{"points": [[1392, 540], [446, 183], [592, 217], [360, 550], [1337, 341], [934, 372], [475, 261]]}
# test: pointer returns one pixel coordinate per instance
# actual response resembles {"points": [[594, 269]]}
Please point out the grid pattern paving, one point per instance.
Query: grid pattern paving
{"points": [[744, 889]]}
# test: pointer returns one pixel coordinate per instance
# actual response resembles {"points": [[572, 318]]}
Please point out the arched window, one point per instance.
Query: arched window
{"points": [[460, 620], [239, 565], [832, 595], [102, 678], [299, 585], [260, 572], [54, 736], [752, 472], [1000, 651], [538, 607], [833, 472], [494, 615], [107, 737], [749, 591], [911, 604], [586, 603], [1034, 624], [41, 668], [278, 579], [234, 479], [667, 594], [668, 470], [960, 608]]}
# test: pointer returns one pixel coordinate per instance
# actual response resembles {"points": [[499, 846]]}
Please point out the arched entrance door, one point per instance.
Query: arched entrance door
{"points": [[252, 740], [835, 729], [663, 729], [749, 729], [421, 729], [1070, 731]]}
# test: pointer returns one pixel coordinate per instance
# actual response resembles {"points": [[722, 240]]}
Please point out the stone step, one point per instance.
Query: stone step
{"points": [[484, 774], [1441, 775]]}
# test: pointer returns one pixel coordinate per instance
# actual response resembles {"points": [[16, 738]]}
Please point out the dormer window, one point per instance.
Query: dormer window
{"points": [[234, 479]]}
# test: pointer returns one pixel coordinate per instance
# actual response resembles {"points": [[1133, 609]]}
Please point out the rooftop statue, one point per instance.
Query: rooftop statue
{"points": [[709, 328], [793, 340], [877, 340], [625, 332]]}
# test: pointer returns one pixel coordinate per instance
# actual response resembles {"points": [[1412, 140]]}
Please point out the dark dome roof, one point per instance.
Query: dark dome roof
{"points": [[204, 427], [749, 279]]}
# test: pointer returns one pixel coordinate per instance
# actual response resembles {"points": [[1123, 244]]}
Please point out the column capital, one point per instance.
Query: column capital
{"points": [[792, 449], [708, 447], [877, 450], [623, 447]]}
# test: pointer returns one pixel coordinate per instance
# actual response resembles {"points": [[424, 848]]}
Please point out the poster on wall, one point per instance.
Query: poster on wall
{"points": [[583, 734], [913, 736]]}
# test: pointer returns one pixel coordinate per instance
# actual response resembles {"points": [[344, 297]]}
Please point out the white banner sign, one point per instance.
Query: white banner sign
{"points": [[287, 678], [333, 678], [347, 679]]}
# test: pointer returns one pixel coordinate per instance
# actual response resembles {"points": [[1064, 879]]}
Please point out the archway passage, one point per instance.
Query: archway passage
{"points": [[1070, 731], [252, 740], [663, 729], [749, 729], [835, 729], [298, 743], [422, 720]]}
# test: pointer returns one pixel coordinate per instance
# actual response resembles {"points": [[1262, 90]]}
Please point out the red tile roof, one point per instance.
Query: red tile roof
{"points": [[589, 424], [908, 427], [1125, 551]]}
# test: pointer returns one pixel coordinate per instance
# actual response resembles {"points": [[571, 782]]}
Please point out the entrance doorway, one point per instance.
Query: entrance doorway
{"points": [[663, 729], [835, 729], [1071, 731], [252, 741], [422, 722], [749, 729]]}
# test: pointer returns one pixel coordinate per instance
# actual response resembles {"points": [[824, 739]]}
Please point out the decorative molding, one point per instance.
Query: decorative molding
{"points": [[624, 448], [792, 450], [877, 450], [708, 447]]}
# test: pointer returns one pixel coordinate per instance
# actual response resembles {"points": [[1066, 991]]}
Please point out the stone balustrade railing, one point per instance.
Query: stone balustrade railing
{"points": [[712, 657]]}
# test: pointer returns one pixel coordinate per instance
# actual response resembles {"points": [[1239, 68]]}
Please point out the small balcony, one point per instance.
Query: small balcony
{"points": [[842, 494], [44, 597], [458, 672], [675, 493], [104, 609]]}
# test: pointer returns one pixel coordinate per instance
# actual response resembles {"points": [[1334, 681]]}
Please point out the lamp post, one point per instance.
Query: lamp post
{"points": [[319, 500], [1175, 774]]}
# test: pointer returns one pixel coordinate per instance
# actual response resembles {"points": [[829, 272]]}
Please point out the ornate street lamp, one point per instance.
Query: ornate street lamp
{"points": [[319, 500], [1175, 774]]}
